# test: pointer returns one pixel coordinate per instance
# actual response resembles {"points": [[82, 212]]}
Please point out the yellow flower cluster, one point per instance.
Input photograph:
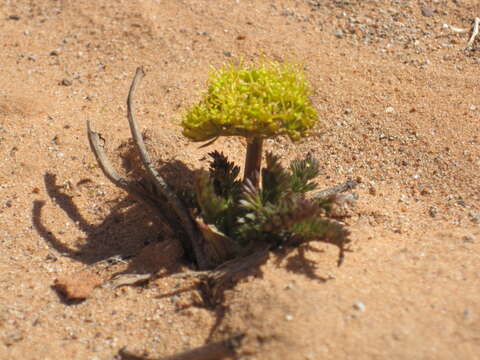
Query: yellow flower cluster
{"points": [[263, 101]]}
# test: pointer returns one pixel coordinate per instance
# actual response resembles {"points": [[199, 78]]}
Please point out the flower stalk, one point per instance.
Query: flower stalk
{"points": [[253, 161]]}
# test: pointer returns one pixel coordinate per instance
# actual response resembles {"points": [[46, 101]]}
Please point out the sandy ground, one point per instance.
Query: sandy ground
{"points": [[399, 104]]}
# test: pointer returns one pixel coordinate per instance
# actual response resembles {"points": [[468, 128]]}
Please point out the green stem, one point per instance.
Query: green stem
{"points": [[253, 160]]}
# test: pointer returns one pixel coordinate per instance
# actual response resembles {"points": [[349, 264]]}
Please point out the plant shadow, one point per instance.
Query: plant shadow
{"points": [[130, 230], [295, 260], [128, 227], [124, 231]]}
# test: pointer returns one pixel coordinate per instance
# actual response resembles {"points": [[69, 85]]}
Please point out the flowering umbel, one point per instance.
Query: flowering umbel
{"points": [[255, 102]]}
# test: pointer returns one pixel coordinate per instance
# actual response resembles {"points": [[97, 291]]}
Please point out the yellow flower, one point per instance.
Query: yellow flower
{"points": [[264, 101]]}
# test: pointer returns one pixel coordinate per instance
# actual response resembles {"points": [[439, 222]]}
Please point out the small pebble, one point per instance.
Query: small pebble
{"points": [[227, 53], [51, 257], [360, 306], [339, 33], [389, 110], [65, 82], [427, 11], [425, 191], [289, 317], [470, 239]]}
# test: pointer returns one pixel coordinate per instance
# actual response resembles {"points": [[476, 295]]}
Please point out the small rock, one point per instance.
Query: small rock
{"points": [[227, 53], [65, 82], [14, 17], [433, 211], [289, 317], [469, 239], [53, 53], [78, 286], [390, 110], [426, 191], [51, 257], [360, 306], [427, 11], [372, 191], [339, 33]]}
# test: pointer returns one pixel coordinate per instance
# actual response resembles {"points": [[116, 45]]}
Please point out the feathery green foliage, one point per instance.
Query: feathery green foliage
{"points": [[278, 213], [225, 175], [212, 206], [263, 101], [303, 171]]}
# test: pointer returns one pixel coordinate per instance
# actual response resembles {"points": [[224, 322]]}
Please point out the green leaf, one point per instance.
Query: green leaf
{"points": [[317, 228], [275, 179], [302, 172], [211, 205], [224, 174]]}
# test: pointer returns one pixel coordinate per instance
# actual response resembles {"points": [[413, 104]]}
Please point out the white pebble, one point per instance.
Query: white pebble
{"points": [[360, 306]]}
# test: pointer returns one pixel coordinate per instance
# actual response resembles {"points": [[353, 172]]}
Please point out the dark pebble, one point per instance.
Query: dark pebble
{"points": [[65, 82], [427, 12]]}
